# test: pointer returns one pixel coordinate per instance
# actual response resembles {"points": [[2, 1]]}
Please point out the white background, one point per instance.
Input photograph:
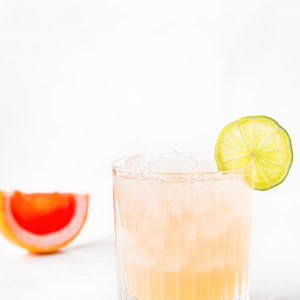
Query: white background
{"points": [[85, 82]]}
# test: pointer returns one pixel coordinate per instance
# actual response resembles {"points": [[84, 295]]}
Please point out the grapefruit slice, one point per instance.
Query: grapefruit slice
{"points": [[41, 222]]}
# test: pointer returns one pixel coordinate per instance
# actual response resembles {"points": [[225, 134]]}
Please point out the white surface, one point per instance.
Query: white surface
{"points": [[85, 82], [83, 271], [87, 271]]}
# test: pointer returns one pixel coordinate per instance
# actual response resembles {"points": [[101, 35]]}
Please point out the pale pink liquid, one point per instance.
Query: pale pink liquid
{"points": [[182, 240]]}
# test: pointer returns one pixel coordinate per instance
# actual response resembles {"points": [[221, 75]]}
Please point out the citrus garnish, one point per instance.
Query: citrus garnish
{"points": [[259, 140], [41, 222]]}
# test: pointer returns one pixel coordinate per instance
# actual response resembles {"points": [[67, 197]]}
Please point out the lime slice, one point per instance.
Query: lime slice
{"points": [[259, 140]]}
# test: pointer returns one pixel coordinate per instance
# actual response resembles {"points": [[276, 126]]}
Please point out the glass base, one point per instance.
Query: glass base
{"points": [[241, 297]]}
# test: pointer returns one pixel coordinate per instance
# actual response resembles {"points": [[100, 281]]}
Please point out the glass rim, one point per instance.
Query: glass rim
{"points": [[117, 167]]}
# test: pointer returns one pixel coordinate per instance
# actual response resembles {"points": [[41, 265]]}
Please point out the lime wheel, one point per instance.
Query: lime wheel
{"points": [[260, 141]]}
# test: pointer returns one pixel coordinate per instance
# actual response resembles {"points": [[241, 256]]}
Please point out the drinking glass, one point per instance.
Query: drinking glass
{"points": [[182, 228]]}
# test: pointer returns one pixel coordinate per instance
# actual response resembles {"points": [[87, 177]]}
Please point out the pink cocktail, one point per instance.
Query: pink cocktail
{"points": [[182, 229]]}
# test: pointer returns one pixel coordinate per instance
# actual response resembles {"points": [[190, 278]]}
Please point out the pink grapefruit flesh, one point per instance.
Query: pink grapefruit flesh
{"points": [[42, 213], [42, 222]]}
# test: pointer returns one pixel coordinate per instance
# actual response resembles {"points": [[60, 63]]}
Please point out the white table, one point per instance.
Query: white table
{"points": [[78, 272], [87, 271]]}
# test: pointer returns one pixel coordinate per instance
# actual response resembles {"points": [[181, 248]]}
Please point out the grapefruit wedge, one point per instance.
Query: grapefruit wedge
{"points": [[42, 222]]}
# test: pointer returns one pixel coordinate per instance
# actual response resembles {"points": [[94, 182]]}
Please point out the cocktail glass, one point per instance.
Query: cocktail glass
{"points": [[182, 229]]}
